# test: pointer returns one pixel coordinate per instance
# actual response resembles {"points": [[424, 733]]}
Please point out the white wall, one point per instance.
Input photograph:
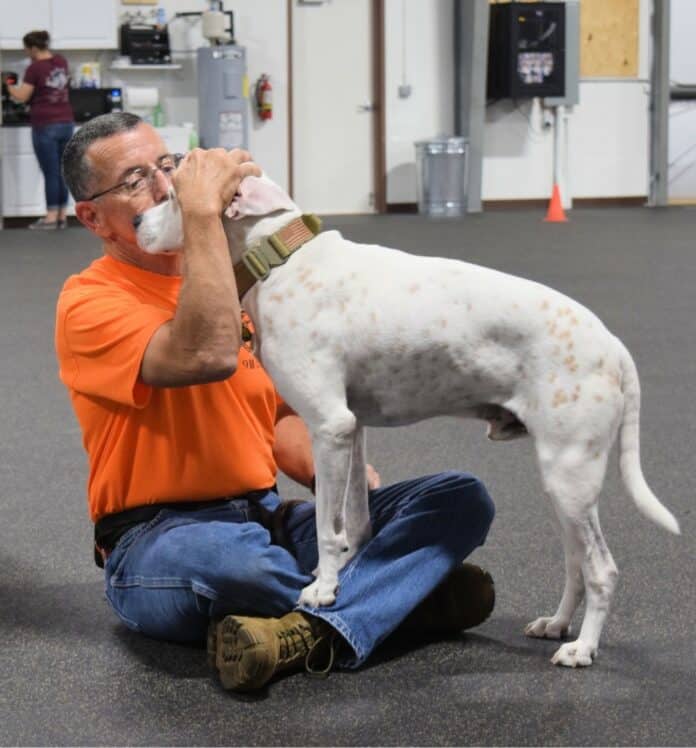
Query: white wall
{"points": [[682, 114], [260, 27], [607, 131], [607, 135], [419, 52]]}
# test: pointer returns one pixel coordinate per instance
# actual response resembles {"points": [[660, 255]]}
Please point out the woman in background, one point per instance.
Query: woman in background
{"points": [[45, 87]]}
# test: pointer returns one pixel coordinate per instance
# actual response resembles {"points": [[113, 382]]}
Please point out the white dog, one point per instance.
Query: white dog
{"points": [[358, 335]]}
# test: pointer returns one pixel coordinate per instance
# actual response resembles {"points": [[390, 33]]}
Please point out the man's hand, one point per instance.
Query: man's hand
{"points": [[207, 180], [373, 479]]}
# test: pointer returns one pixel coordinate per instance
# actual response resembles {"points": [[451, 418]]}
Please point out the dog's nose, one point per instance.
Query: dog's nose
{"points": [[137, 221]]}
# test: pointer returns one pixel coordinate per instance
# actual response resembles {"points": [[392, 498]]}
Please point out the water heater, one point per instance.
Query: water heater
{"points": [[223, 110]]}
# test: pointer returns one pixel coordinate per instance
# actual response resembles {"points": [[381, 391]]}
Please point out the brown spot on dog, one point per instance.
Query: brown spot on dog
{"points": [[574, 321], [559, 398], [443, 323], [413, 288], [469, 307], [570, 346], [373, 317], [268, 322], [552, 377], [544, 304], [564, 335], [276, 297], [599, 398]]}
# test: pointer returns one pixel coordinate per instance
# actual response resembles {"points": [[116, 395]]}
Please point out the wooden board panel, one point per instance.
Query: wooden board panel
{"points": [[609, 38]]}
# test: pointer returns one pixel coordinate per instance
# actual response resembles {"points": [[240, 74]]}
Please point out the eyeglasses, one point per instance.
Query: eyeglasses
{"points": [[139, 180]]}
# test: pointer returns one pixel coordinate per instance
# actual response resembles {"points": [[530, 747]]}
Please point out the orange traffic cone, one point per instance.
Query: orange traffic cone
{"points": [[555, 212]]}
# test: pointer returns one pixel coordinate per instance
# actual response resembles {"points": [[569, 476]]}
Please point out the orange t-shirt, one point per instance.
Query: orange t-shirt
{"points": [[148, 445]]}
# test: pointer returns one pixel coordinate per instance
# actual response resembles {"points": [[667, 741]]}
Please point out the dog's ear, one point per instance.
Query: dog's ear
{"points": [[258, 196]]}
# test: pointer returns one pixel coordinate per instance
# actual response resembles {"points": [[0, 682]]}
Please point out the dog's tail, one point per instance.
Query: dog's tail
{"points": [[631, 470]]}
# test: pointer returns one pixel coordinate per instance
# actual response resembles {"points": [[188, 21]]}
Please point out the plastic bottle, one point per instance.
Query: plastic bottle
{"points": [[157, 116]]}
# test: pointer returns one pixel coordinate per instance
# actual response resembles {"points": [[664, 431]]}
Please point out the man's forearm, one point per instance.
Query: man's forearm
{"points": [[208, 317], [293, 447]]}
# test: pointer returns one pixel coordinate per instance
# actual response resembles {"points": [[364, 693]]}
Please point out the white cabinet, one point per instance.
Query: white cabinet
{"points": [[76, 24], [72, 24], [22, 180], [18, 18]]}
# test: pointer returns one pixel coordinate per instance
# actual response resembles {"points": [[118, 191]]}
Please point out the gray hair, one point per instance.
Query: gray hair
{"points": [[77, 171]]}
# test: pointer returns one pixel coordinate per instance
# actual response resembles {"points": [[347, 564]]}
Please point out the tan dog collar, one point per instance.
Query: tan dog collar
{"points": [[258, 261]]}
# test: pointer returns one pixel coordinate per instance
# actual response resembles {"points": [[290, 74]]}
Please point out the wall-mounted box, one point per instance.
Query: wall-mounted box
{"points": [[526, 50]]}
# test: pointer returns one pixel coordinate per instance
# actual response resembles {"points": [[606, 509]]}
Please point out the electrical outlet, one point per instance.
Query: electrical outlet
{"points": [[405, 91]]}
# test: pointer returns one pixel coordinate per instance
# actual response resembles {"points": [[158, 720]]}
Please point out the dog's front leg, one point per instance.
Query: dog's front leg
{"points": [[357, 508], [332, 445]]}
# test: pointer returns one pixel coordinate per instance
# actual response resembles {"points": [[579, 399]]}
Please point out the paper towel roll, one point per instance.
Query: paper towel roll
{"points": [[141, 97]]}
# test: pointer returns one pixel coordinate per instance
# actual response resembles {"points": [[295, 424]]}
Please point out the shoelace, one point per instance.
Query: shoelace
{"points": [[294, 642], [329, 638]]}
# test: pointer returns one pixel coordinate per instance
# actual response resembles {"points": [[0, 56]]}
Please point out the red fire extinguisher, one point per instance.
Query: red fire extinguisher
{"points": [[264, 103]]}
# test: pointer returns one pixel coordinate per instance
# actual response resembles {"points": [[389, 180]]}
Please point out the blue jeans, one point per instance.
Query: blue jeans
{"points": [[49, 143], [168, 577]]}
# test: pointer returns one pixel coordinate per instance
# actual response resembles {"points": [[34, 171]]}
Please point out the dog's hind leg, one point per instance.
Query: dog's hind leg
{"points": [[573, 478], [332, 445]]}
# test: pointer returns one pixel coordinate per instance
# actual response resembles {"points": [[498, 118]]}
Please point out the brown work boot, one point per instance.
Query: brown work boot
{"points": [[248, 652], [464, 599]]}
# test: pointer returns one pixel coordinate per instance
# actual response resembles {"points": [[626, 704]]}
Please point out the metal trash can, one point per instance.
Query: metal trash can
{"points": [[442, 176]]}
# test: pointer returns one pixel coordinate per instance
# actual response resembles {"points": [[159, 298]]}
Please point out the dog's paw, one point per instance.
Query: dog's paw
{"points": [[547, 628], [575, 654], [319, 593]]}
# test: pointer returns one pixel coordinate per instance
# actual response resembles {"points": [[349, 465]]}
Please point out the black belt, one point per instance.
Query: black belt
{"points": [[110, 529]]}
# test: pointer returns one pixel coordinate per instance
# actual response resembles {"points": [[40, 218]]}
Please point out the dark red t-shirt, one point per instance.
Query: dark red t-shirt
{"points": [[49, 102]]}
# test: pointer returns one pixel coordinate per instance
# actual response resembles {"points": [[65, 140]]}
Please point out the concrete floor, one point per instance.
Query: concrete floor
{"points": [[71, 674]]}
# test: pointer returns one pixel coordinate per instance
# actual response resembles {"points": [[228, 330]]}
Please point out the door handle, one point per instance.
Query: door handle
{"points": [[367, 108]]}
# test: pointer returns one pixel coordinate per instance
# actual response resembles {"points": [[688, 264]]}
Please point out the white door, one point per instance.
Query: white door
{"points": [[333, 115]]}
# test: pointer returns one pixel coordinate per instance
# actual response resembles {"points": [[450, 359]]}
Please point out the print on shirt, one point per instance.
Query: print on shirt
{"points": [[57, 80]]}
